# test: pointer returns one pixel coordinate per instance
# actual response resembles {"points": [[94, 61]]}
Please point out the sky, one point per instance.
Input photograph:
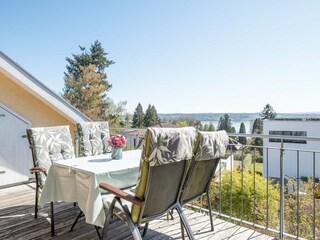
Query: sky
{"points": [[180, 56]]}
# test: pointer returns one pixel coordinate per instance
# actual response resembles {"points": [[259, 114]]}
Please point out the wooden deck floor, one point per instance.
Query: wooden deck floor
{"points": [[17, 222]]}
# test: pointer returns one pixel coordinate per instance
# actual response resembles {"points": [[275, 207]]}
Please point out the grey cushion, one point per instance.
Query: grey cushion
{"points": [[169, 145], [93, 138], [50, 144], [212, 145]]}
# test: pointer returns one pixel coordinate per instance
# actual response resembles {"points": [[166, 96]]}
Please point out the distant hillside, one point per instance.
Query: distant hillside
{"points": [[233, 116]]}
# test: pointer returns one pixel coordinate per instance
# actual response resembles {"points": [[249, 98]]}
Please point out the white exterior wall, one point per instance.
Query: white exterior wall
{"points": [[290, 156], [131, 140]]}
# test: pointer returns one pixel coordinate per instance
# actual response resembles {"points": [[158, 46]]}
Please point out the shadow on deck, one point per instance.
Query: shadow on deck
{"points": [[17, 222]]}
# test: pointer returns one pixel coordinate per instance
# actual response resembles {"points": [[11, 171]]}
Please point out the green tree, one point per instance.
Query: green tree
{"points": [[193, 122], [151, 117], [85, 85], [127, 119], [155, 115], [242, 140], [268, 112], [138, 117], [206, 127], [182, 124], [225, 124], [89, 100], [257, 127], [95, 56], [114, 112], [211, 127]]}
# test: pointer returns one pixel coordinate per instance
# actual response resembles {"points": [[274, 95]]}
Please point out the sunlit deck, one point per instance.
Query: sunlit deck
{"points": [[17, 222]]}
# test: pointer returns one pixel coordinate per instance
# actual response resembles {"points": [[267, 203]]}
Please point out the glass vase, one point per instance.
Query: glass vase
{"points": [[116, 153]]}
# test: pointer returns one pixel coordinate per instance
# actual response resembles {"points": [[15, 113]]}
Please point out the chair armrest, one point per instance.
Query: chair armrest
{"points": [[121, 194], [38, 169]]}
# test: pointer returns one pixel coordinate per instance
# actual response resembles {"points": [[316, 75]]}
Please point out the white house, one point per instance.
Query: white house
{"points": [[134, 137], [294, 149]]}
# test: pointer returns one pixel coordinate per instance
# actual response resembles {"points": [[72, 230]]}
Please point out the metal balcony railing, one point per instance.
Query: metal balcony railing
{"points": [[287, 205], [290, 187]]}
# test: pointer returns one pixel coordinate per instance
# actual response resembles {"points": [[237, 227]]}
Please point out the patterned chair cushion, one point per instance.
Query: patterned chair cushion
{"points": [[93, 138], [163, 146], [170, 145], [212, 145], [209, 148], [50, 144]]}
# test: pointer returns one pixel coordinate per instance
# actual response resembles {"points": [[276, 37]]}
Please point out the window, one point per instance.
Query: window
{"points": [[288, 133]]}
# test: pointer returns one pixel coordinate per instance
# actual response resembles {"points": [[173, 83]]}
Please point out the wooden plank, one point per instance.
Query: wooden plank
{"points": [[17, 222]]}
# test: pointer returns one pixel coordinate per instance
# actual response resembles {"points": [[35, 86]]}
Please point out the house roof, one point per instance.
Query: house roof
{"points": [[294, 119], [135, 132], [165, 125], [31, 84]]}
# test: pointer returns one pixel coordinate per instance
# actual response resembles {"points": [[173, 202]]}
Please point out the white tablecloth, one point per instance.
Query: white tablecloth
{"points": [[77, 180]]}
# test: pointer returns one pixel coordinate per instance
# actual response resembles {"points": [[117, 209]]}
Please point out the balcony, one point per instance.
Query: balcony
{"points": [[276, 191], [281, 205], [17, 222]]}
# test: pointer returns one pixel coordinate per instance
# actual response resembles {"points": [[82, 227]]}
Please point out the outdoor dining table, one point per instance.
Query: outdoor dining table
{"points": [[77, 180]]}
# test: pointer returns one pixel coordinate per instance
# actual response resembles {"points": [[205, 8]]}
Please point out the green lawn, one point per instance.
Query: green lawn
{"points": [[248, 164]]}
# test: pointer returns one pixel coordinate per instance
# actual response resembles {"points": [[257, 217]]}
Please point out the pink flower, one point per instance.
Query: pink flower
{"points": [[117, 141]]}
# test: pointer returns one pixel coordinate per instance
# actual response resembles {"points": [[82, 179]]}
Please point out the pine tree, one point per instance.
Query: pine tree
{"points": [[85, 83], [138, 117], [211, 127], [225, 124], [268, 112], [95, 56], [242, 140], [88, 100], [151, 117], [155, 115], [206, 127], [257, 127]]}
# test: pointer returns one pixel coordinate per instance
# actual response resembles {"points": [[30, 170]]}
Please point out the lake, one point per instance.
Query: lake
{"points": [[235, 124]]}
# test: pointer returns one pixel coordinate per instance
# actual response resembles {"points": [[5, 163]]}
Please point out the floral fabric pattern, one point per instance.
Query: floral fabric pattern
{"points": [[50, 144], [212, 145], [93, 138], [170, 145]]}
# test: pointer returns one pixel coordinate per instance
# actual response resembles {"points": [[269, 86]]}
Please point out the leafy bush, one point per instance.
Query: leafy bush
{"points": [[243, 205], [247, 161], [243, 202], [305, 211]]}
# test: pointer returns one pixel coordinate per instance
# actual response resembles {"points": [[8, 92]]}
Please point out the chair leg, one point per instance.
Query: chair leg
{"points": [[145, 229], [133, 227], [182, 230], [108, 218], [52, 219], [97, 229], [183, 220], [171, 214], [75, 222], [36, 202], [210, 209]]}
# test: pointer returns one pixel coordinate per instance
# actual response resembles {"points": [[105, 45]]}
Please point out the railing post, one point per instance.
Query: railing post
{"points": [[281, 192], [267, 220], [314, 195], [77, 143]]}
